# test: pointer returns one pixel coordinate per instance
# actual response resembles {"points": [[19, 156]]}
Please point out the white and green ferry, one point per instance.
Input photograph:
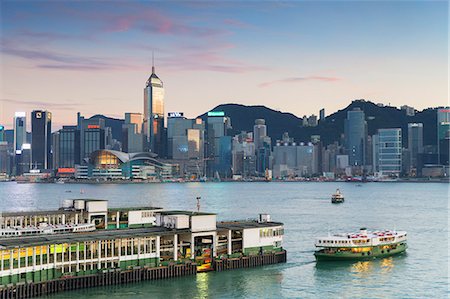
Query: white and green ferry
{"points": [[361, 246]]}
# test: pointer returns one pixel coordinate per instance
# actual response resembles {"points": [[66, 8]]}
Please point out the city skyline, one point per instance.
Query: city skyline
{"points": [[94, 63]]}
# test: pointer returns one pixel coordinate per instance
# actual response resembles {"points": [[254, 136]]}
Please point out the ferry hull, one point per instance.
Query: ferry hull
{"points": [[376, 252]]}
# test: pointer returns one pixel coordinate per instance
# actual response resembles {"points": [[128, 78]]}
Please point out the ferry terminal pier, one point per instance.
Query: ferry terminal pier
{"points": [[128, 244]]}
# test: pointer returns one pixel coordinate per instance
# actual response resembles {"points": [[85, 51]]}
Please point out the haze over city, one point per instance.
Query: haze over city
{"points": [[298, 57]]}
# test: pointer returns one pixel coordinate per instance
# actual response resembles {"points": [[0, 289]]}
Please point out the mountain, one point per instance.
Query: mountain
{"points": [[114, 123], [243, 118], [331, 129]]}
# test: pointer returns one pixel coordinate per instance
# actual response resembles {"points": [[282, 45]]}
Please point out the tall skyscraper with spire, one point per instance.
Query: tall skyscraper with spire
{"points": [[154, 114]]}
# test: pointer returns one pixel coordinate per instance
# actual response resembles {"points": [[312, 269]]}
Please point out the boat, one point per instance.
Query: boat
{"points": [[337, 197], [363, 245]]}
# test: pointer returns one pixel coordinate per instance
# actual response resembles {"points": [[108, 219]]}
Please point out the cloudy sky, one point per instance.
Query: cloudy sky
{"points": [[296, 56]]}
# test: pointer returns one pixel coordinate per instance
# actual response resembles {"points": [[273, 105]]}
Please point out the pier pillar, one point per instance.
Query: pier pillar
{"points": [[175, 247], [229, 243], [192, 247], [158, 248]]}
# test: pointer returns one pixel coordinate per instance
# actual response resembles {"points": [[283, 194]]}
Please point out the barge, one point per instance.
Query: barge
{"points": [[127, 244]]}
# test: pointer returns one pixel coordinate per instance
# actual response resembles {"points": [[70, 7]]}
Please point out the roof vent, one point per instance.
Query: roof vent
{"points": [[264, 218]]}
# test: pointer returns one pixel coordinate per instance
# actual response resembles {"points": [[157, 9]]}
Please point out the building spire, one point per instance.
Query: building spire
{"points": [[153, 62]]}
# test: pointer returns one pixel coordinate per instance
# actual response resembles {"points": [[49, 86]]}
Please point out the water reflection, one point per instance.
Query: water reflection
{"points": [[362, 268], [202, 285]]}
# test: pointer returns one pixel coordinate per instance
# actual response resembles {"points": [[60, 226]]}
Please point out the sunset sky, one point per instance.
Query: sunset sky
{"points": [[299, 56]]}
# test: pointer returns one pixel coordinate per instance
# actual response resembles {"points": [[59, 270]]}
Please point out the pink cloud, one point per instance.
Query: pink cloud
{"points": [[301, 79]]}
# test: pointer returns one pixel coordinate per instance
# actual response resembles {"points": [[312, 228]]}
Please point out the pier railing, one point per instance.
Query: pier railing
{"points": [[249, 261]]}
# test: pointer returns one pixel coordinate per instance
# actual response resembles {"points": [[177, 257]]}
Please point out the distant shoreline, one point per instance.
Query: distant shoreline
{"points": [[236, 181]]}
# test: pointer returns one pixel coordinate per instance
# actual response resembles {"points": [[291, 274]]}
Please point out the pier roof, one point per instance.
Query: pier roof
{"points": [[189, 213], [235, 225], [14, 242]]}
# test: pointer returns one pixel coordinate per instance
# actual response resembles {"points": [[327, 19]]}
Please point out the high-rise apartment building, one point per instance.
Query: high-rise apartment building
{"points": [[322, 114], [355, 130], [41, 137], [154, 115], [415, 143]]}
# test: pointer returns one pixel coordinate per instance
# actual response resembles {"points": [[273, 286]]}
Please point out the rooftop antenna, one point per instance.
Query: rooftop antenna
{"points": [[198, 203], [153, 62]]}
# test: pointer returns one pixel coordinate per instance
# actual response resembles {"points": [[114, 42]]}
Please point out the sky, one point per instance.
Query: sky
{"points": [[295, 56]]}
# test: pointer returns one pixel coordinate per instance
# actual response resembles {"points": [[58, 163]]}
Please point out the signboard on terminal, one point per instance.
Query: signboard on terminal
{"points": [[175, 114], [93, 127], [216, 113], [66, 170]]}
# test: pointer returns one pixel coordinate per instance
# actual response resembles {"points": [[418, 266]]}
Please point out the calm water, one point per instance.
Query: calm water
{"points": [[305, 209]]}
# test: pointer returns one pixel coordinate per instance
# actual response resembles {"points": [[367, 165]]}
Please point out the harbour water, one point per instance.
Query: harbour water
{"points": [[419, 208]]}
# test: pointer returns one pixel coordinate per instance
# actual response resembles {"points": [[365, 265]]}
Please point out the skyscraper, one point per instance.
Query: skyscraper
{"points": [[355, 130], [259, 132], [66, 147], [20, 130], [389, 151], [2, 133], [443, 134], [415, 143], [154, 114], [94, 135], [218, 150], [132, 139], [41, 137]]}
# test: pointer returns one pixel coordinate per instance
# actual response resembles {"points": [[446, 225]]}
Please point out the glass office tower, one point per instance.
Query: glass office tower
{"points": [[154, 115], [66, 147], [390, 151], [415, 142], [20, 130], [355, 136], [443, 134], [41, 137]]}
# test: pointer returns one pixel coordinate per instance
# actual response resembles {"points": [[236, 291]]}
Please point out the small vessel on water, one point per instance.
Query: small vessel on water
{"points": [[361, 246], [337, 197]]}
